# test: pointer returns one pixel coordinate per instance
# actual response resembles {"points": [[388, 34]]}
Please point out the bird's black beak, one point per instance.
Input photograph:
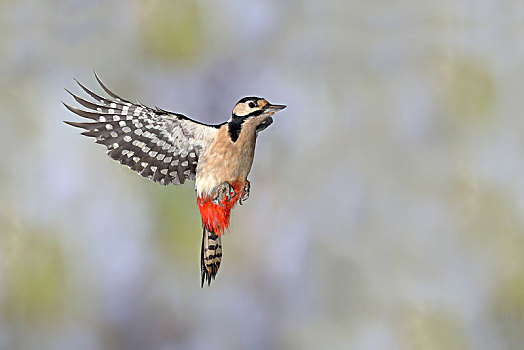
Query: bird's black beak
{"points": [[273, 108]]}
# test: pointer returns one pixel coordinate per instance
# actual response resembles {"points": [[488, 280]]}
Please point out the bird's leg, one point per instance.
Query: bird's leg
{"points": [[224, 191], [246, 188]]}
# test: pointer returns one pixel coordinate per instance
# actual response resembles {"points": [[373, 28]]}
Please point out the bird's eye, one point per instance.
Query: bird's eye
{"points": [[251, 104]]}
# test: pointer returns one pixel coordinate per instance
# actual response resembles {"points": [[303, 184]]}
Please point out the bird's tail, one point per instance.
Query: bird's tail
{"points": [[215, 220], [211, 255]]}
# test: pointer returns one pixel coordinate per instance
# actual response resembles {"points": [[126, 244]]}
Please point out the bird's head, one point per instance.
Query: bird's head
{"points": [[255, 110]]}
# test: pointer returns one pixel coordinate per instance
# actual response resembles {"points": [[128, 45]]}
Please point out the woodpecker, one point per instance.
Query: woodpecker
{"points": [[169, 148]]}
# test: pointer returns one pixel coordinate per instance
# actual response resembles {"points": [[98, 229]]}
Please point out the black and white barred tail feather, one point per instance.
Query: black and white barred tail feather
{"points": [[160, 145], [210, 255]]}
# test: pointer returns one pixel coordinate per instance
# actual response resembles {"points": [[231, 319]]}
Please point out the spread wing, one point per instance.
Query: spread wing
{"points": [[160, 145]]}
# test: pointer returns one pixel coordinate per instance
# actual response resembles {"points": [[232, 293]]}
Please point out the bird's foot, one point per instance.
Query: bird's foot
{"points": [[224, 191], [246, 188]]}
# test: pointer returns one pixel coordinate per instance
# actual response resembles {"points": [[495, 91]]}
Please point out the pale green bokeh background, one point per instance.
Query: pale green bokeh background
{"points": [[387, 203]]}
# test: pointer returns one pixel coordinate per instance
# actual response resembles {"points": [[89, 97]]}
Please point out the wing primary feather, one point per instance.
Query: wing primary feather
{"points": [[91, 133], [85, 126], [92, 94], [109, 92], [82, 113], [85, 103]]}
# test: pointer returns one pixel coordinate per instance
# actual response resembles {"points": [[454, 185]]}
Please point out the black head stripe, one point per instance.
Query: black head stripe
{"points": [[252, 114], [249, 98]]}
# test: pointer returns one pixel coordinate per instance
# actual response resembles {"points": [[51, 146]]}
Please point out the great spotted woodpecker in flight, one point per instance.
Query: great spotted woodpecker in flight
{"points": [[169, 148]]}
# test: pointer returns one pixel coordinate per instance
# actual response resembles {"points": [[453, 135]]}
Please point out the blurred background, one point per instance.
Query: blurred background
{"points": [[387, 202]]}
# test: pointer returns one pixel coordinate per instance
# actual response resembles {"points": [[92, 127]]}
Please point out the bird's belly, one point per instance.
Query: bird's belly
{"points": [[216, 168]]}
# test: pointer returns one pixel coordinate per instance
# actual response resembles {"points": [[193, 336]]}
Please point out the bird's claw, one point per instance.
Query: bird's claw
{"points": [[224, 191], [245, 192]]}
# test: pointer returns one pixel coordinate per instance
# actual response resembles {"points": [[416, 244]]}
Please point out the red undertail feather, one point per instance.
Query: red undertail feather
{"points": [[215, 217]]}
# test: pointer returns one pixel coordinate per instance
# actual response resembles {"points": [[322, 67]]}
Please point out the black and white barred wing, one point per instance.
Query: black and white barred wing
{"points": [[160, 145]]}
